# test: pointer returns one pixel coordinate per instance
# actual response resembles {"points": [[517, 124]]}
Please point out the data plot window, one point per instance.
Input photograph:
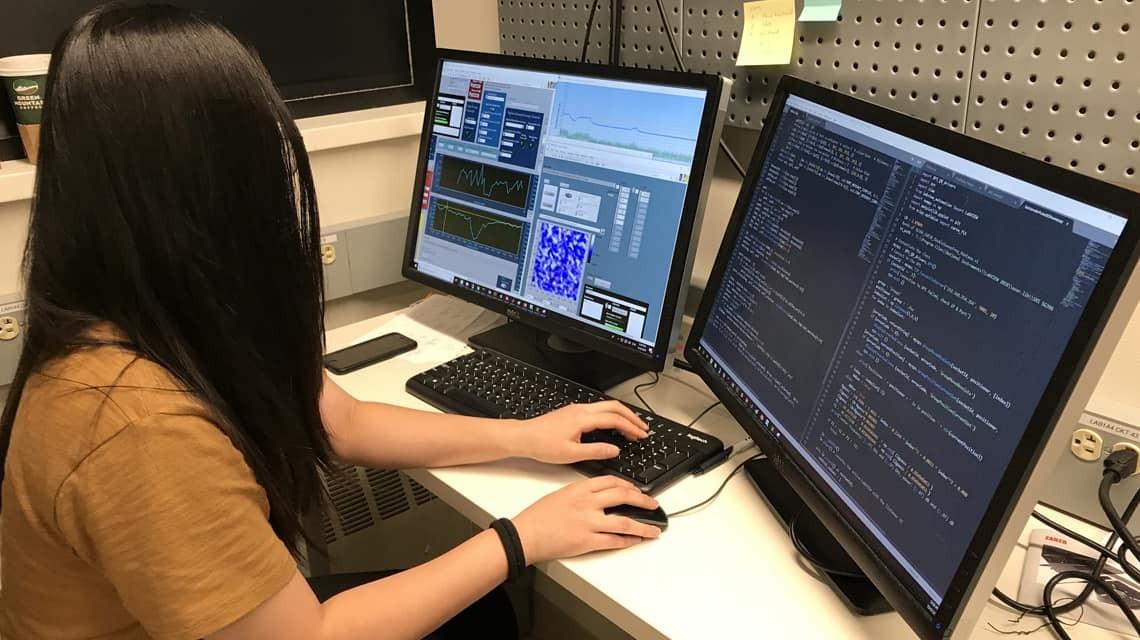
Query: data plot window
{"points": [[478, 229]]}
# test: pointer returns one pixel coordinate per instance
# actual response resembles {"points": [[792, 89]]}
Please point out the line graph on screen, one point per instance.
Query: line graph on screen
{"points": [[479, 227]]}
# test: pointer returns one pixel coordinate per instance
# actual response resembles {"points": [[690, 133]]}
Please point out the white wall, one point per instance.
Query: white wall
{"points": [[13, 231], [467, 24], [1118, 393]]}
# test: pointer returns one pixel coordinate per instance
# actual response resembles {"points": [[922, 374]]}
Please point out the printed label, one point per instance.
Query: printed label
{"points": [[27, 98], [1110, 426], [12, 307]]}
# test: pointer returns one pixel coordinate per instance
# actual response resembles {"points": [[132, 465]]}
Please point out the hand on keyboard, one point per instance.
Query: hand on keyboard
{"points": [[557, 437], [569, 422]]}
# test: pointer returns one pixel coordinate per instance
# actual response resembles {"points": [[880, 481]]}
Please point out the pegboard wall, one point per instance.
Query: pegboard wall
{"points": [[1061, 81], [1056, 79]]}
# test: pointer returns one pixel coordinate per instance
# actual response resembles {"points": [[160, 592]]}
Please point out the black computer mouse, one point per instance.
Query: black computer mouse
{"points": [[655, 517]]}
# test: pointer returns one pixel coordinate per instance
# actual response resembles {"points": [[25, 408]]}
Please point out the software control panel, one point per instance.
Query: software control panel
{"points": [[558, 194]]}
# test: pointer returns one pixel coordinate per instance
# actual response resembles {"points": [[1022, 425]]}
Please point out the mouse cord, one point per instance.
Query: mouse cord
{"points": [[703, 413], [645, 385], [714, 496]]}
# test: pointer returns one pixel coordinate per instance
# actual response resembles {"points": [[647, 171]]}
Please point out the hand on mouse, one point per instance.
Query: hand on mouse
{"points": [[557, 436], [570, 521]]}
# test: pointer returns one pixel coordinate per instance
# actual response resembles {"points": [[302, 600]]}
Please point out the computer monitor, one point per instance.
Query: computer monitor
{"points": [[565, 196], [899, 315]]}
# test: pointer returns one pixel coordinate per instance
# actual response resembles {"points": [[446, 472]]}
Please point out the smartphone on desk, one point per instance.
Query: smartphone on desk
{"points": [[369, 352]]}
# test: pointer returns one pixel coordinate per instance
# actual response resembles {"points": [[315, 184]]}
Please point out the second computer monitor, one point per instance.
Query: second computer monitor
{"points": [[899, 315], [564, 196]]}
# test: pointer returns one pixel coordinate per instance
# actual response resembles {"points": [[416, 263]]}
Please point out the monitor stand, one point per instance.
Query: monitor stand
{"points": [[556, 355], [857, 593]]}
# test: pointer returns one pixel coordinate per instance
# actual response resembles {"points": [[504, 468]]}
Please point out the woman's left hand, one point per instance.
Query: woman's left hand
{"points": [[557, 436]]}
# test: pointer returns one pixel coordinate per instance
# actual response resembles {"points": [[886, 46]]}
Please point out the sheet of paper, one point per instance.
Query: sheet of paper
{"points": [[440, 325], [821, 10], [1049, 553], [769, 33]]}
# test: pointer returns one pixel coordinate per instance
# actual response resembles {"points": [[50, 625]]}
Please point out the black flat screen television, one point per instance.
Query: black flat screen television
{"points": [[326, 57]]}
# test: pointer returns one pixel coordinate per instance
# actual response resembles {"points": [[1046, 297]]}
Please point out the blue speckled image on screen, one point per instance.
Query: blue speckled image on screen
{"points": [[559, 260]]}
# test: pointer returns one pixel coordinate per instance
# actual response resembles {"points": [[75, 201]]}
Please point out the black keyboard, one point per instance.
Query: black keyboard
{"points": [[490, 385]]}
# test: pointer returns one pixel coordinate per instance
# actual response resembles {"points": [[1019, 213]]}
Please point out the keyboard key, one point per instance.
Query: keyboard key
{"points": [[674, 459], [480, 405]]}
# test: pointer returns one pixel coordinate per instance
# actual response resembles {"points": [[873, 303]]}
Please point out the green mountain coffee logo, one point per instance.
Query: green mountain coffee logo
{"points": [[25, 87]]}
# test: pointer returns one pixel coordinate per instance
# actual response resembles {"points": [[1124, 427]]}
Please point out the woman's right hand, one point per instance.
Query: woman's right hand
{"points": [[570, 521]]}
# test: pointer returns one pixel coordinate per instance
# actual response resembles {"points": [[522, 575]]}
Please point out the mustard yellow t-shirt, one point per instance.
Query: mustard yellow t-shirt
{"points": [[126, 513]]}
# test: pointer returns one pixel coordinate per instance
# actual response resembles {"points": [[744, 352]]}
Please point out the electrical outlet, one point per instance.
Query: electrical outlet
{"points": [[9, 328], [328, 254], [1120, 446], [1087, 445], [1071, 486]]}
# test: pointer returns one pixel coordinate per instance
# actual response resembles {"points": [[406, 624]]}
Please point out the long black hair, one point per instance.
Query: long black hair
{"points": [[174, 200]]}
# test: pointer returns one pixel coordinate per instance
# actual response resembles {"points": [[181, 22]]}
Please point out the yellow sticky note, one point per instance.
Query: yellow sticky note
{"points": [[769, 33]]}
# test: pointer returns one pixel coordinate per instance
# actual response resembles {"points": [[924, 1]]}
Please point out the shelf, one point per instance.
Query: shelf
{"points": [[360, 127], [18, 177]]}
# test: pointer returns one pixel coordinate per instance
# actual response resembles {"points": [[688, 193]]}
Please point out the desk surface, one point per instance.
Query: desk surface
{"points": [[727, 570]]}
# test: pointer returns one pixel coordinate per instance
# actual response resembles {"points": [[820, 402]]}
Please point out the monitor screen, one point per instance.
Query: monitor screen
{"points": [[565, 197], [325, 56], [889, 314]]}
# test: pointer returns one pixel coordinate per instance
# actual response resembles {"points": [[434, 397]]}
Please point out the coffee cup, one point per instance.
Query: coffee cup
{"points": [[24, 79]]}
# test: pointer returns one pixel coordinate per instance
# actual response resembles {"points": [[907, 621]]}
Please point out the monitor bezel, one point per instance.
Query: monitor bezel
{"points": [[420, 26], [580, 332], [849, 532]]}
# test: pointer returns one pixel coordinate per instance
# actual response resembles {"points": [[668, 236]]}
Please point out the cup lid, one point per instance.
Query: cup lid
{"points": [[27, 65]]}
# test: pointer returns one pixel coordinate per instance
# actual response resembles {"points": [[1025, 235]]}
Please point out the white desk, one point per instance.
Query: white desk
{"points": [[726, 571]]}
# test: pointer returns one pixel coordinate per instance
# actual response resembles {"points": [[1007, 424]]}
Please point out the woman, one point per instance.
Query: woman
{"points": [[164, 432]]}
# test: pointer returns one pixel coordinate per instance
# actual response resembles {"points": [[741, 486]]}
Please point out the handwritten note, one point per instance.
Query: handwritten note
{"points": [[821, 10], [769, 33]]}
